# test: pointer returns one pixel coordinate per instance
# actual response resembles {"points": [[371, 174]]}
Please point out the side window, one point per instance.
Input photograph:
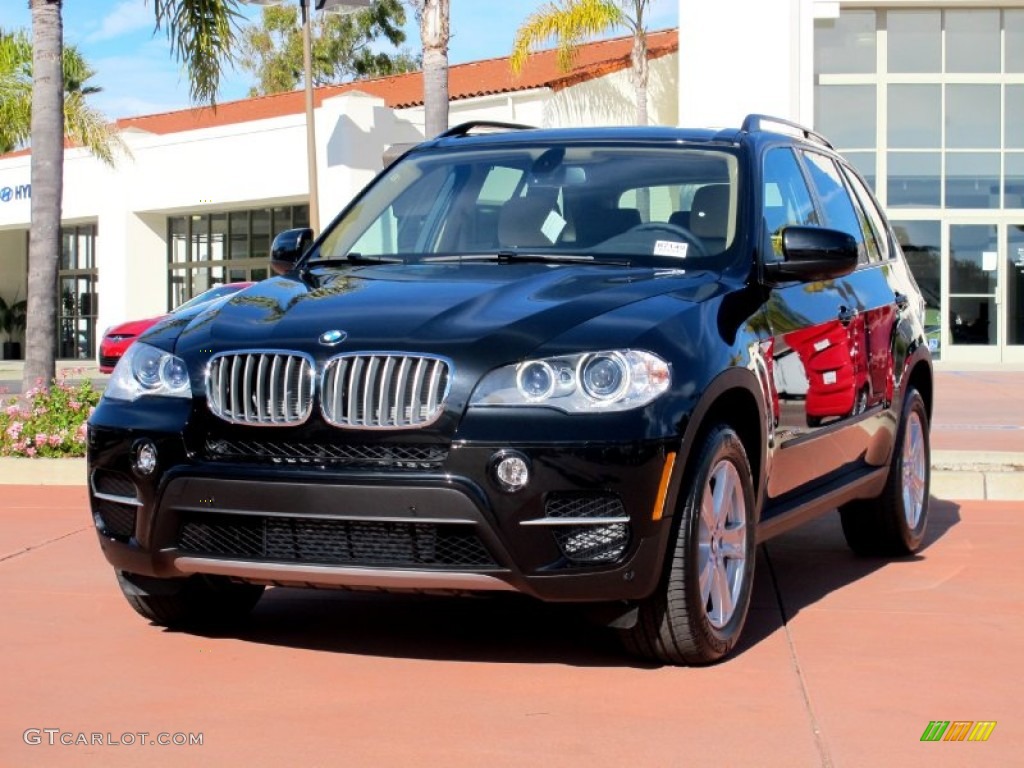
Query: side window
{"points": [[840, 212], [875, 224], [787, 200]]}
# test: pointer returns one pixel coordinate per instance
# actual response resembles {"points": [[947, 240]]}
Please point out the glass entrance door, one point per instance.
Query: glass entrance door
{"points": [[983, 265], [973, 284], [1014, 301]]}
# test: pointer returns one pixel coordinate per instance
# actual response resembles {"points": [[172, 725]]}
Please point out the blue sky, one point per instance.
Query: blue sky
{"points": [[139, 76]]}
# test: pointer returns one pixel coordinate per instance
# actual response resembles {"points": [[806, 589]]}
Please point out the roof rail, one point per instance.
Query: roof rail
{"points": [[464, 129], [755, 122]]}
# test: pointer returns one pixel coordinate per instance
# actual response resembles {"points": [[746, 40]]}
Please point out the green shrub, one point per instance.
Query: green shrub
{"points": [[48, 421]]}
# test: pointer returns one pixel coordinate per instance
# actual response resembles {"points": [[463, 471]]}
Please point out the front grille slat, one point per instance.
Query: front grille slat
{"points": [[334, 542], [384, 390], [263, 388], [354, 455]]}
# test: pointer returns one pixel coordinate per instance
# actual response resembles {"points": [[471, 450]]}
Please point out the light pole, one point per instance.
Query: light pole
{"points": [[335, 6]]}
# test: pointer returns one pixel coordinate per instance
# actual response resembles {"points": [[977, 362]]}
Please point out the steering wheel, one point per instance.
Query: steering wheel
{"points": [[674, 231]]}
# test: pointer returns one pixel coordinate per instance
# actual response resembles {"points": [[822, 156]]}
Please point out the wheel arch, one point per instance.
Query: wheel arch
{"points": [[733, 398]]}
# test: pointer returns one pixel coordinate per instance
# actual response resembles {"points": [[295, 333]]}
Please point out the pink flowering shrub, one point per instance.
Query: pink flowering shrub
{"points": [[48, 421]]}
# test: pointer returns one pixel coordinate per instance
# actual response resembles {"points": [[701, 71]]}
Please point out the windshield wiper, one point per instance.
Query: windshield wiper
{"points": [[351, 258], [526, 257]]}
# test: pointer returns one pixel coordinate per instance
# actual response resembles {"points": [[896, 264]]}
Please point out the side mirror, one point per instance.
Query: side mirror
{"points": [[813, 253], [288, 247]]}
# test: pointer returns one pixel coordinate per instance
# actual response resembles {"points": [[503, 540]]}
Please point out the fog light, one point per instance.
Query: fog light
{"points": [[144, 457], [511, 470]]}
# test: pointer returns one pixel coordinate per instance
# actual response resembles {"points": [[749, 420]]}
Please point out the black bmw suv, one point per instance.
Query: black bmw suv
{"points": [[594, 365]]}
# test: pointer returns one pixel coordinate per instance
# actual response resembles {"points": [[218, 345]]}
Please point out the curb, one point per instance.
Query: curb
{"points": [[965, 475]]}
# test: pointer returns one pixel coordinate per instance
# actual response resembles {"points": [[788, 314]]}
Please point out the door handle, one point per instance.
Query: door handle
{"points": [[902, 301], [846, 315]]}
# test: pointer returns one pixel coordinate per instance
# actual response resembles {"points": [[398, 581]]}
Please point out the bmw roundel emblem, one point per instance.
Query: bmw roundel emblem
{"points": [[330, 338]]}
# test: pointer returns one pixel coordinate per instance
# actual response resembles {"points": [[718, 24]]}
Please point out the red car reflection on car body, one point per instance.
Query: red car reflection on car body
{"points": [[118, 338]]}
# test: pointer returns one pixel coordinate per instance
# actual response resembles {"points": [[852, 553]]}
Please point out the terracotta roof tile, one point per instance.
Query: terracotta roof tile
{"points": [[477, 78]]}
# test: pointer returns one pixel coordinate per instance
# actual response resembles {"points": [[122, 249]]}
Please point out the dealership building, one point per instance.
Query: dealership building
{"points": [[925, 98]]}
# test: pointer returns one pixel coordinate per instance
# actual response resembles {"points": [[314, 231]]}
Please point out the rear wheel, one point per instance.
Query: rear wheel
{"points": [[697, 615], [894, 522], [196, 600]]}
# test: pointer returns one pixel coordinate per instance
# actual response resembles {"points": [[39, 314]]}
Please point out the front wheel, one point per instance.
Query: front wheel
{"points": [[193, 601], [697, 614], [894, 522]]}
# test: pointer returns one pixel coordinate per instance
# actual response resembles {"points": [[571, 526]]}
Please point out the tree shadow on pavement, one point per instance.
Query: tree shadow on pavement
{"points": [[803, 566], [792, 572]]}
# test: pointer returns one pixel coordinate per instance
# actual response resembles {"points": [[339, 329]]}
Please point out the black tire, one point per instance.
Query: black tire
{"points": [[681, 623], [196, 601], [893, 523]]}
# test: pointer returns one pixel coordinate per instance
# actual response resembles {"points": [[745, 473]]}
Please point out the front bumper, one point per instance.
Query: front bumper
{"points": [[592, 524]]}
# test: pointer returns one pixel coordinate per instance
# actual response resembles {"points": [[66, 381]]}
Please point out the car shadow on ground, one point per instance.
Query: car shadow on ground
{"points": [[809, 563], [799, 568]]}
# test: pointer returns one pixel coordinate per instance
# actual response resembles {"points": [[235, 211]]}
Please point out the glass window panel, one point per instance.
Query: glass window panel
{"points": [[973, 253], [1013, 183], [260, 245], [921, 244], [915, 116], [972, 40], [865, 163], [1014, 117], [972, 180], [914, 41], [300, 215], [239, 244], [971, 320], [875, 229], [972, 116], [178, 226], [1013, 23], [258, 274], [846, 115], [200, 238], [845, 45], [914, 179], [177, 287], [67, 249], [282, 219], [218, 236]]}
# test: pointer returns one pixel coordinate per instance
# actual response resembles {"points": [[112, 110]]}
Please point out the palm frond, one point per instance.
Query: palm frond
{"points": [[202, 36], [566, 22]]}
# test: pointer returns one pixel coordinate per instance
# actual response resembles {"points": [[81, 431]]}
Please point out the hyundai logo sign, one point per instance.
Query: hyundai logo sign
{"points": [[20, 192]]}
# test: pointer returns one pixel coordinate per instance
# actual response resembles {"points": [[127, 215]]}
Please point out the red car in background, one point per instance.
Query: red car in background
{"points": [[118, 338]]}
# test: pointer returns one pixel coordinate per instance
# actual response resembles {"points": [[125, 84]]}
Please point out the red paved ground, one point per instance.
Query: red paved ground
{"points": [[845, 662], [979, 411]]}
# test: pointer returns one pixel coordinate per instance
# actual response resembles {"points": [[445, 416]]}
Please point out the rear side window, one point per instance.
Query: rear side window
{"points": [[875, 228]]}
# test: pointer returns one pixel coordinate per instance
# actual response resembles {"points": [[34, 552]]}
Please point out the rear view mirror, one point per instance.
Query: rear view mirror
{"points": [[288, 247], [813, 253]]}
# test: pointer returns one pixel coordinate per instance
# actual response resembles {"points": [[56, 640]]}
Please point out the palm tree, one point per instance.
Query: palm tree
{"points": [[47, 174], [433, 16], [83, 124], [570, 22]]}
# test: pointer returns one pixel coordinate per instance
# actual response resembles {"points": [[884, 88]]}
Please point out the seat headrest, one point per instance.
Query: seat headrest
{"points": [[709, 214], [521, 222]]}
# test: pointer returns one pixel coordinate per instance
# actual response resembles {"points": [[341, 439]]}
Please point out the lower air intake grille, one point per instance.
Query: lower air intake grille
{"points": [[114, 484], [583, 505], [115, 520], [334, 542], [591, 544], [382, 456]]}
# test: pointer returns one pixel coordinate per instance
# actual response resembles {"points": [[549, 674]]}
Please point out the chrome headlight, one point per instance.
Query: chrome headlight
{"points": [[592, 382], [146, 370]]}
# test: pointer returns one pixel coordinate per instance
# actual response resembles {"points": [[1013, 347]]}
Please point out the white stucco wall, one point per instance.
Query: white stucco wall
{"points": [[738, 57]]}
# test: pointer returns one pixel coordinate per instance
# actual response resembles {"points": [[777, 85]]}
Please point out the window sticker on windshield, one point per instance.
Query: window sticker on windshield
{"points": [[553, 226], [671, 248]]}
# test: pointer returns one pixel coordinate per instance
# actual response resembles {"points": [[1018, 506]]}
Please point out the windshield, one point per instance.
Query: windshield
{"points": [[663, 206]]}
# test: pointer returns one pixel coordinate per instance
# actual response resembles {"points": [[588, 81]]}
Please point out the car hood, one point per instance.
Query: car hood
{"points": [[490, 311]]}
